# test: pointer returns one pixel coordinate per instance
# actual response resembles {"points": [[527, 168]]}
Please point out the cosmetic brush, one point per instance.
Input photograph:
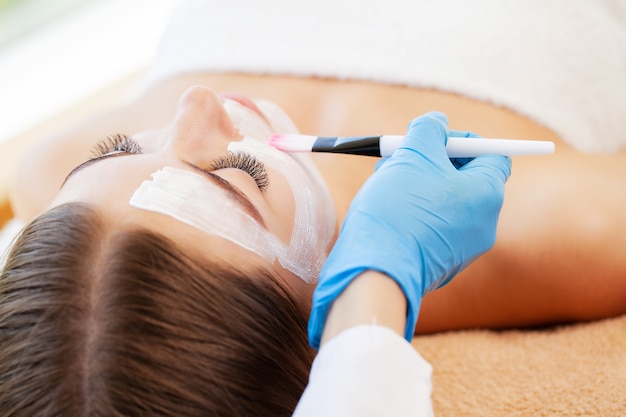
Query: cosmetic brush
{"points": [[385, 145]]}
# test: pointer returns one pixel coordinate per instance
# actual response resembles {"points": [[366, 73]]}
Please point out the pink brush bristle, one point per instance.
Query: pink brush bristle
{"points": [[292, 143]]}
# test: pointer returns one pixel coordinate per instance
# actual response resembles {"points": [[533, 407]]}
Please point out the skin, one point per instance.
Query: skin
{"points": [[372, 297], [559, 251]]}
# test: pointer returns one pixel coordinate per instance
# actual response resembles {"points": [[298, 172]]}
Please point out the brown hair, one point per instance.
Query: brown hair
{"points": [[127, 324]]}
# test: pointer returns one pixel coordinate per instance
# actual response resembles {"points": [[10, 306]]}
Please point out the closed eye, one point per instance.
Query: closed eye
{"points": [[116, 143], [244, 162]]}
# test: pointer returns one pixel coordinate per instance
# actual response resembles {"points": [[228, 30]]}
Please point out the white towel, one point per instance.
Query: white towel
{"points": [[560, 63]]}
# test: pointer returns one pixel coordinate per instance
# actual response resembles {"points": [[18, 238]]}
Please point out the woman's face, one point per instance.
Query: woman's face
{"points": [[209, 182]]}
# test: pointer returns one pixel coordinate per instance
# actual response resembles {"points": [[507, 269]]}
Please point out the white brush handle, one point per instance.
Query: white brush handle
{"points": [[473, 147]]}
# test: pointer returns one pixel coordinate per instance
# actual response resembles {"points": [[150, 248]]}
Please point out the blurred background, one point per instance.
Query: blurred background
{"points": [[55, 54]]}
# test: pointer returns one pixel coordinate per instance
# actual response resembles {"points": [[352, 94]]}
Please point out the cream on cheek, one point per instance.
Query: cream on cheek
{"points": [[312, 226], [314, 217], [190, 198]]}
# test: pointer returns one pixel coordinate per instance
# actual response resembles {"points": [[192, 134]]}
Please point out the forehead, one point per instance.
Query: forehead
{"points": [[187, 206], [186, 237], [113, 180], [190, 199]]}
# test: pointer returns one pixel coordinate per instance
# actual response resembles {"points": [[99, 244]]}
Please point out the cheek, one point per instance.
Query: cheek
{"points": [[281, 202], [151, 140], [307, 248]]}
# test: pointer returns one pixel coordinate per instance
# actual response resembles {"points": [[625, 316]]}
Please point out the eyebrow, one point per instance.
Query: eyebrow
{"points": [[89, 162], [233, 192]]}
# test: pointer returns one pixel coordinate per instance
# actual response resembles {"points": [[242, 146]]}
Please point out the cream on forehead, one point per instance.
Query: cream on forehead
{"points": [[192, 199]]}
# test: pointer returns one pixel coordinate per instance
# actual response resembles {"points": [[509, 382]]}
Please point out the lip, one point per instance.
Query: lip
{"points": [[244, 101]]}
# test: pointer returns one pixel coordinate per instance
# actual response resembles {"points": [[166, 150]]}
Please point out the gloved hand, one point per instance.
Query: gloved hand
{"points": [[420, 218]]}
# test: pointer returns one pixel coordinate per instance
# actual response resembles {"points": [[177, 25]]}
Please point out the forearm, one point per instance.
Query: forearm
{"points": [[364, 365], [372, 298]]}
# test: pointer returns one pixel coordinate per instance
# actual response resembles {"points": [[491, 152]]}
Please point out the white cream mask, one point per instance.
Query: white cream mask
{"points": [[306, 251], [191, 198], [314, 220]]}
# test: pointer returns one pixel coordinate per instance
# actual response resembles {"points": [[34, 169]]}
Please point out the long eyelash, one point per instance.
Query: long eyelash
{"points": [[247, 163], [116, 143]]}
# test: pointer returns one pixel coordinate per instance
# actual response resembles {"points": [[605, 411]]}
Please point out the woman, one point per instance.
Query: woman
{"points": [[544, 218], [188, 243], [537, 250]]}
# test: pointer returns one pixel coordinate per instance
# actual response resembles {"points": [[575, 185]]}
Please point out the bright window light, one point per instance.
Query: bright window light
{"points": [[53, 54]]}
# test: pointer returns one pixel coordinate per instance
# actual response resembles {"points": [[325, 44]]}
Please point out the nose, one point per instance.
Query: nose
{"points": [[201, 128]]}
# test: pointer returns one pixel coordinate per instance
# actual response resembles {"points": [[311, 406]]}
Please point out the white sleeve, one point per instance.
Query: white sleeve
{"points": [[367, 371]]}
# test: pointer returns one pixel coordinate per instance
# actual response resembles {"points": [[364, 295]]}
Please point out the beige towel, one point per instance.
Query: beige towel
{"points": [[577, 370]]}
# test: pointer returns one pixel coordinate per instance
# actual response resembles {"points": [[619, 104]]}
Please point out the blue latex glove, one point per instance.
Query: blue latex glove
{"points": [[420, 218]]}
